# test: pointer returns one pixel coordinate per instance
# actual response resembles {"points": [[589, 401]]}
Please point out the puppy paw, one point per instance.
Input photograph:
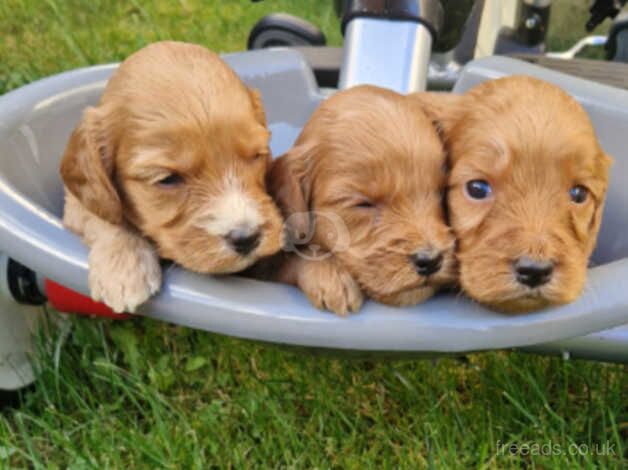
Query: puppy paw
{"points": [[123, 273], [329, 287]]}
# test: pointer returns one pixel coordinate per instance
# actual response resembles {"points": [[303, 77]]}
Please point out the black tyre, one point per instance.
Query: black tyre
{"points": [[283, 30], [10, 399]]}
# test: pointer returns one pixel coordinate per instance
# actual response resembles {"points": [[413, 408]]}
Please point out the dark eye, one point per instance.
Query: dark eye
{"points": [[364, 205], [171, 180], [478, 189], [578, 194]]}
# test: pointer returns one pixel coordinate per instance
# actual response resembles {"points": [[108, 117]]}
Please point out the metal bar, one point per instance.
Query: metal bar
{"points": [[608, 345], [388, 53]]}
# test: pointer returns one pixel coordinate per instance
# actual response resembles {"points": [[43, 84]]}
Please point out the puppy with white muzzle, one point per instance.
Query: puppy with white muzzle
{"points": [[171, 163]]}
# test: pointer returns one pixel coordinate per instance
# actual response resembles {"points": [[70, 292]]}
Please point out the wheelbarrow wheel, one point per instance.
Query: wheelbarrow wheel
{"points": [[13, 398]]}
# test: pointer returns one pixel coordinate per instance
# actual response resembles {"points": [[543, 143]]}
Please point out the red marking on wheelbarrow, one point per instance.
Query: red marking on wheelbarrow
{"points": [[68, 301]]}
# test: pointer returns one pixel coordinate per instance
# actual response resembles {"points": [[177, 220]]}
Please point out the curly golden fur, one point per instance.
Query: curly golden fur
{"points": [[526, 244], [170, 163], [361, 191]]}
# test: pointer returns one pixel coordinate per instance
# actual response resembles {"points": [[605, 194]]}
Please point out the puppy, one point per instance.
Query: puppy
{"points": [[361, 191], [526, 190], [171, 164]]}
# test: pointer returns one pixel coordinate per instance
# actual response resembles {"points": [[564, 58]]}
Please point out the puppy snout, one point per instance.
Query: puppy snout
{"points": [[533, 273], [427, 262], [243, 240]]}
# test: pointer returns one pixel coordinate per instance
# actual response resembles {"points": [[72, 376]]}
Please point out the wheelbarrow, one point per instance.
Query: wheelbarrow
{"points": [[42, 260]]}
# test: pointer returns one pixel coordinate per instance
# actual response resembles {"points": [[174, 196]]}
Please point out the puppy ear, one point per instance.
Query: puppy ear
{"points": [[603, 163], [445, 110], [87, 167], [607, 161], [290, 184], [258, 106]]}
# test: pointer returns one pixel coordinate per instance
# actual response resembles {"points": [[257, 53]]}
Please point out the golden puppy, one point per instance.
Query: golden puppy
{"points": [[361, 191], [526, 190], [171, 163]]}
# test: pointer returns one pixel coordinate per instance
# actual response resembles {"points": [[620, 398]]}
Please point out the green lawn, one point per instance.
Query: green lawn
{"points": [[142, 394]]}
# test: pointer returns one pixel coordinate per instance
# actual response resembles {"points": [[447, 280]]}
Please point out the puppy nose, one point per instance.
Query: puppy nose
{"points": [[243, 241], [533, 273], [427, 262]]}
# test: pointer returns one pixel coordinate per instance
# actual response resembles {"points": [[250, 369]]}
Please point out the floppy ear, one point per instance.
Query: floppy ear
{"points": [[605, 161], [258, 106], [87, 167], [443, 109], [290, 184]]}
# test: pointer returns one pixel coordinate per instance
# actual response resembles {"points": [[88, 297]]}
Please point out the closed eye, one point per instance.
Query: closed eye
{"points": [[351, 201], [171, 180], [261, 155], [366, 204]]}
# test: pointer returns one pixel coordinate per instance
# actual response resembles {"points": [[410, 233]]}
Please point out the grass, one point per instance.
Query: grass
{"points": [[142, 394], [42, 37]]}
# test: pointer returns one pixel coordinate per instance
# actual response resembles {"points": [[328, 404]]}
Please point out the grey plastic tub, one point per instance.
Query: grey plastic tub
{"points": [[36, 120]]}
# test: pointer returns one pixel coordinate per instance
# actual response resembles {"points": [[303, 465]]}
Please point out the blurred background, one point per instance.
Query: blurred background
{"points": [[42, 37]]}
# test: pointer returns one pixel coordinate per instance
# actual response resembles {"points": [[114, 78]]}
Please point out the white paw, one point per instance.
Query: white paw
{"points": [[123, 273]]}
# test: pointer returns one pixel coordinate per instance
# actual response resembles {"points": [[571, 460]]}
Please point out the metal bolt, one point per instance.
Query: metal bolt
{"points": [[532, 22]]}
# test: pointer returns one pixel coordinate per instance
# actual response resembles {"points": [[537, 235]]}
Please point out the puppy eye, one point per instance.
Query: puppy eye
{"points": [[364, 205], [259, 156], [171, 180], [579, 194], [478, 189]]}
